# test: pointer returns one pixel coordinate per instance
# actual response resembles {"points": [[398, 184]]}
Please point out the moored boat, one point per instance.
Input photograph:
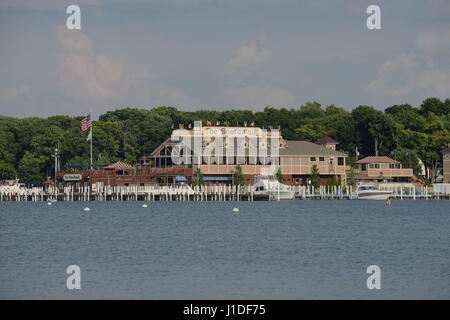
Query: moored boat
{"points": [[371, 192]]}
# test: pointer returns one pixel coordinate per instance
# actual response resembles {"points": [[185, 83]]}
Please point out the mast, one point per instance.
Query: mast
{"points": [[56, 169]]}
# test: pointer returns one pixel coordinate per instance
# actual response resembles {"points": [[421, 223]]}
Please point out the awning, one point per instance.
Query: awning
{"points": [[180, 179], [218, 178]]}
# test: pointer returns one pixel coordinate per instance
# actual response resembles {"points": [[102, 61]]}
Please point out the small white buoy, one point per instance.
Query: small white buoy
{"points": [[87, 209], [49, 203], [144, 206], [235, 210]]}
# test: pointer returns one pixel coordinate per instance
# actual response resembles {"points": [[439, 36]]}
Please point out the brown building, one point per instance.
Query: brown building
{"points": [[375, 168], [295, 158], [446, 165]]}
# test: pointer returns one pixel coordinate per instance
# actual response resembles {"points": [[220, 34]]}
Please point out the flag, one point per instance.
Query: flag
{"points": [[86, 123], [89, 137]]}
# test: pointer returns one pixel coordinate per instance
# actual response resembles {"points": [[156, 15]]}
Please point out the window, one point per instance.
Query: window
{"points": [[394, 166], [312, 159], [374, 166], [341, 161], [321, 159]]}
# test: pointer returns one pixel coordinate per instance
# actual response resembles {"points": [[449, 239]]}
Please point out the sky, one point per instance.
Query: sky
{"points": [[219, 55]]}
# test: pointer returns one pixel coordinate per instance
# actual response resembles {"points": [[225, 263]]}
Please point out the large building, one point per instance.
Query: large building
{"points": [[252, 148], [446, 165]]}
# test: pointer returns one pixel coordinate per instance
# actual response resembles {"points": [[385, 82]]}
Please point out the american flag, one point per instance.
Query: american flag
{"points": [[86, 123]]}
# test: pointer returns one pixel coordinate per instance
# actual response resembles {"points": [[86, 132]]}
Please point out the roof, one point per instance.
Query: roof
{"points": [[119, 165], [445, 150], [375, 159], [306, 148], [326, 140]]}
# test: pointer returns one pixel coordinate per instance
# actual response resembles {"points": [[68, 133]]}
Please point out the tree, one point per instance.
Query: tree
{"points": [[198, 178], [409, 159], [332, 182], [351, 177], [315, 176], [279, 175], [30, 169], [436, 106], [238, 176]]}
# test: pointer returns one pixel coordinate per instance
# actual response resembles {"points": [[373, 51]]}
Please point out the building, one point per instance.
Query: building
{"points": [[243, 146], [298, 157], [446, 165], [376, 169]]}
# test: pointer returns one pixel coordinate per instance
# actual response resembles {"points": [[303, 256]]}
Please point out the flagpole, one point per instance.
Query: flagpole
{"points": [[90, 133]]}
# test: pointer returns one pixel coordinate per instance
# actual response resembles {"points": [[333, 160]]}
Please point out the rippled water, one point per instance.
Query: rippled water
{"points": [[202, 250]]}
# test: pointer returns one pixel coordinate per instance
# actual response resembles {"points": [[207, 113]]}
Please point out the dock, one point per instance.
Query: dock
{"points": [[205, 193]]}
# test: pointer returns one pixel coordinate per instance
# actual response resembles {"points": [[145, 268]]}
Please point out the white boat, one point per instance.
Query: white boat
{"points": [[266, 184], [371, 192]]}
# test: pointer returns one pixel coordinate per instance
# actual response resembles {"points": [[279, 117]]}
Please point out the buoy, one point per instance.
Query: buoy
{"points": [[388, 202], [49, 203], [235, 210], [87, 209], [144, 206]]}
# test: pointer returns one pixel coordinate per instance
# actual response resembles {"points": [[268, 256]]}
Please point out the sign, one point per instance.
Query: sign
{"points": [[72, 177]]}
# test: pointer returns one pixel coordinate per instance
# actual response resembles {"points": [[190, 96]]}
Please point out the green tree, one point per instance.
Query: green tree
{"points": [[31, 169], [279, 175], [238, 176], [198, 178], [315, 176]]}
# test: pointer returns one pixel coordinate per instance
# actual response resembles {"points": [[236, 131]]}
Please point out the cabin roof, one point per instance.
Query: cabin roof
{"points": [[306, 148]]}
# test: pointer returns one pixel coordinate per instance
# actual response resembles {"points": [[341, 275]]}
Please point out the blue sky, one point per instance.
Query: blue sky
{"points": [[218, 54]]}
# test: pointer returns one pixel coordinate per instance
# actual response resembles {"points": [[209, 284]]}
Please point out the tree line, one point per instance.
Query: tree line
{"points": [[403, 132]]}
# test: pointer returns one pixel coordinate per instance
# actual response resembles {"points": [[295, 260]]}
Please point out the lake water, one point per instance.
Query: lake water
{"points": [[202, 250]]}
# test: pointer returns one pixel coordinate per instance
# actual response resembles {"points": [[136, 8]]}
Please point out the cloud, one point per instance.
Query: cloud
{"points": [[102, 80], [259, 97], [417, 71], [90, 76], [246, 59]]}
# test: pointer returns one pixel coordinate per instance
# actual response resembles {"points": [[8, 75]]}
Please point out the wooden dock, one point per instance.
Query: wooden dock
{"points": [[202, 193]]}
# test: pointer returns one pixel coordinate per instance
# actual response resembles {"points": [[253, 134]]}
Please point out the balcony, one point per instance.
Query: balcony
{"points": [[390, 173]]}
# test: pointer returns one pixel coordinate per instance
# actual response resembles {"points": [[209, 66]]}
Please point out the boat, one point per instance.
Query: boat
{"points": [[371, 192], [267, 185]]}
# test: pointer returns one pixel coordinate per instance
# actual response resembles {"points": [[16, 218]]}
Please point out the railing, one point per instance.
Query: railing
{"points": [[390, 172]]}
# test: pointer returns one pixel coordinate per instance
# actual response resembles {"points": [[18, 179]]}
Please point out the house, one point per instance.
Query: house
{"points": [[378, 168]]}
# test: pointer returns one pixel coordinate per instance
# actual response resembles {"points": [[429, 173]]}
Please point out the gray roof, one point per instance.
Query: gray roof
{"points": [[306, 148]]}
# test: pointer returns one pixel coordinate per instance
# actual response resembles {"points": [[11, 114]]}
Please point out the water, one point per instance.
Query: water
{"points": [[204, 250]]}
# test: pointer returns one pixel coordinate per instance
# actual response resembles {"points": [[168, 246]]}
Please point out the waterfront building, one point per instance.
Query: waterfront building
{"points": [[378, 169], [446, 165], [295, 159]]}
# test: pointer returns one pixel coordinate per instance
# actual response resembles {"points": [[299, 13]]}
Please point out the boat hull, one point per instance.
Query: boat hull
{"points": [[374, 195]]}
